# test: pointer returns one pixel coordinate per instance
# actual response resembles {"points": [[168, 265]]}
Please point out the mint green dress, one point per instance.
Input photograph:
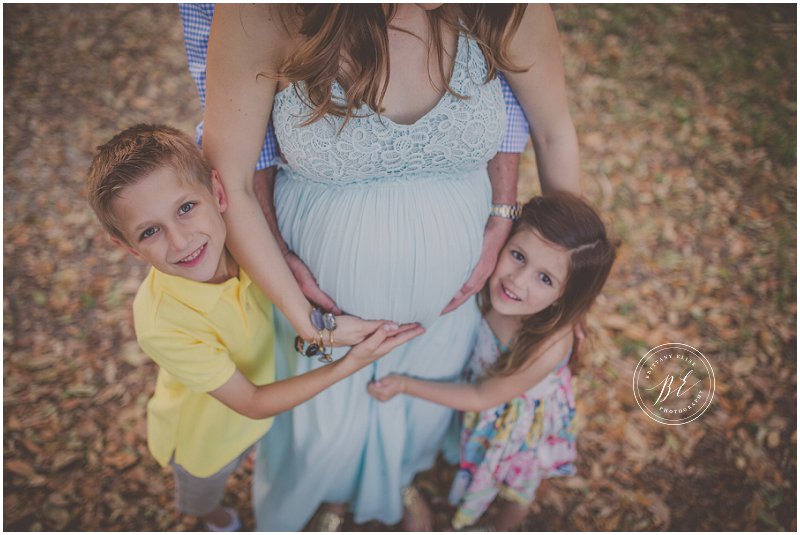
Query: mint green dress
{"points": [[390, 220]]}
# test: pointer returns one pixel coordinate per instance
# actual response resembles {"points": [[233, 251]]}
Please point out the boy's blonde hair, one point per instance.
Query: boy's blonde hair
{"points": [[133, 154]]}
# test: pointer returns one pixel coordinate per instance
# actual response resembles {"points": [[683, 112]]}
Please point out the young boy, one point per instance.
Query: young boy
{"points": [[199, 317]]}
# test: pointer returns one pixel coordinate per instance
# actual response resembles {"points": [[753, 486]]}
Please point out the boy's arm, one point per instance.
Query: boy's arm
{"points": [[483, 395], [268, 400]]}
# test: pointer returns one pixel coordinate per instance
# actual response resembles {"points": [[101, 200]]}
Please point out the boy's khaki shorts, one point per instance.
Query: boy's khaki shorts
{"points": [[198, 496]]}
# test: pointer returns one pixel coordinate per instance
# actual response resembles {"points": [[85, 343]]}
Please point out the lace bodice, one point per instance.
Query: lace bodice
{"points": [[455, 137]]}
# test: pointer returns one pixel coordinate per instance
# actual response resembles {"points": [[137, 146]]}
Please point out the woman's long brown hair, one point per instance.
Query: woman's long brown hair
{"points": [[357, 35], [570, 223]]}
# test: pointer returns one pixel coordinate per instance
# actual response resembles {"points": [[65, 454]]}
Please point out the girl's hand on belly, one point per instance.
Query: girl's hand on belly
{"points": [[388, 387]]}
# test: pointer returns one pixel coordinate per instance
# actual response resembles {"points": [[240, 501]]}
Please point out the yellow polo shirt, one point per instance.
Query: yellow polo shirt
{"points": [[199, 334]]}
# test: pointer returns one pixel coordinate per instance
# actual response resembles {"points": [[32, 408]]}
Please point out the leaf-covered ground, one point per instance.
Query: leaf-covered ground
{"points": [[687, 123]]}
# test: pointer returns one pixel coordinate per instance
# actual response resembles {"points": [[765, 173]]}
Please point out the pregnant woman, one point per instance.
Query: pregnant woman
{"points": [[386, 118]]}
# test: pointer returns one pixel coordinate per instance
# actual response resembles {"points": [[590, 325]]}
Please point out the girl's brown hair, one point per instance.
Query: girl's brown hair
{"points": [[570, 223], [357, 35]]}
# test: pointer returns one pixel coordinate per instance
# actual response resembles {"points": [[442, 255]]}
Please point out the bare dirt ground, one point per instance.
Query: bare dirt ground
{"points": [[687, 122]]}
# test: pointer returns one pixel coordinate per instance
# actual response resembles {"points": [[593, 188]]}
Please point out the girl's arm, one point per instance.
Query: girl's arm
{"points": [[483, 395], [541, 91], [265, 401]]}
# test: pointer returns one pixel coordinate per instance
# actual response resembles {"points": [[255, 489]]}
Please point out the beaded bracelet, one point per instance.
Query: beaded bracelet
{"points": [[308, 349], [321, 322], [330, 325]]}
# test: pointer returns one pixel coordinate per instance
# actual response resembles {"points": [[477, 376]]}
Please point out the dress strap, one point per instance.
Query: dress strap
{"points": [[563, 362], [503, 348]]}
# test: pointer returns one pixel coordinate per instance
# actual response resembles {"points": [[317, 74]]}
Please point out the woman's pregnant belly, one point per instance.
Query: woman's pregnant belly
{"points": [[395, 250]]}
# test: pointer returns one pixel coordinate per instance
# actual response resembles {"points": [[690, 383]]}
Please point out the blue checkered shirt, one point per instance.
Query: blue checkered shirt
{"points": [[196, 20]]}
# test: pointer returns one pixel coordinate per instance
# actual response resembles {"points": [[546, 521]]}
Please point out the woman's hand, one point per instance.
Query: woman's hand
{"points": [[264, 190], [388, 387], [351, 330], [385, 338]]}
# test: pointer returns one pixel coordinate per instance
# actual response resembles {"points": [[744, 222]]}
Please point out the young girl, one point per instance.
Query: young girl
{"points": [[518, 403]]}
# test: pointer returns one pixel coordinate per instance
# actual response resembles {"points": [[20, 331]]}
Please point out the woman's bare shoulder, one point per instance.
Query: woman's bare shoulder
{"points": [[264, 27]]}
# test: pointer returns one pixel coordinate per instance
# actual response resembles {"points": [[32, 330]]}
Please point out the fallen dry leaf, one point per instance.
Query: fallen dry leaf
{"points": [[19, 467]]}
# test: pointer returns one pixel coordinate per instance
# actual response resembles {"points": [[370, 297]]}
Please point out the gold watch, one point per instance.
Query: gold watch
{"points": [[508, 211]]}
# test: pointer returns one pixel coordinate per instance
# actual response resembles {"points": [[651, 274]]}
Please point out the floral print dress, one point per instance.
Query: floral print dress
{"points": [[509, 449]]}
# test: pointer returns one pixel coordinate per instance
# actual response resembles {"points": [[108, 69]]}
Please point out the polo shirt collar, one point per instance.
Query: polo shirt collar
{"points": [[202, 296]]}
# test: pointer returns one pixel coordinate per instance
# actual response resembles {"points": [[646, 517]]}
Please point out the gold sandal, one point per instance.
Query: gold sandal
{"points": [[416, 506], [327, 520], [478, 527]]}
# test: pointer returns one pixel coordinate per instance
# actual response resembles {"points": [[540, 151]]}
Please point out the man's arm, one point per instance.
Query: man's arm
{"points": [[264, 189], [503, 174], [541, 92]]}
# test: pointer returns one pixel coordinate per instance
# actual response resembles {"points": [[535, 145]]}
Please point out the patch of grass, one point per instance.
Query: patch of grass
{"points": [[627, 308], [743, 55], [767, 58], [88, 300], [632, 348], [40, 298]]}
